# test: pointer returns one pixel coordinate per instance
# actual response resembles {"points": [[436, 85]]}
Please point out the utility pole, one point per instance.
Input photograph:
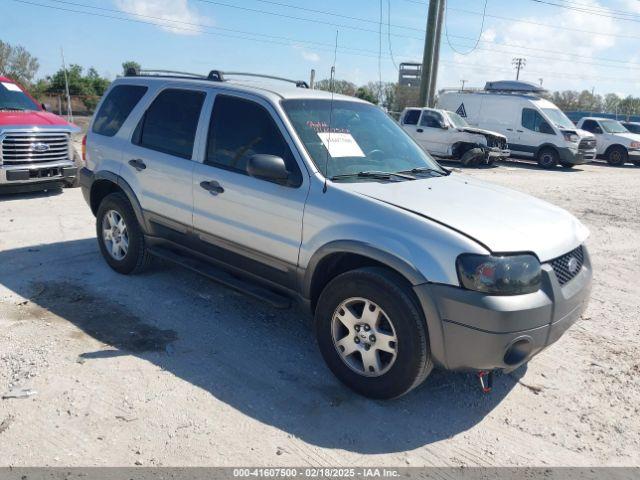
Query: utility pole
{"points": [[431, 99], [312, 80], [463, 82], [66, 87], [541, 81], [519, 64], [429, 57]]}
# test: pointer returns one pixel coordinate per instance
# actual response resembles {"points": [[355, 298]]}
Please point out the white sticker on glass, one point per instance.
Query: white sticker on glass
{"points": [[11, 87], [340, 144]]}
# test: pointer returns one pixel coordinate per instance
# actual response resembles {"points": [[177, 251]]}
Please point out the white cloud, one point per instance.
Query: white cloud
{"points": [[308, 55], [582, 67], [175, 16]]}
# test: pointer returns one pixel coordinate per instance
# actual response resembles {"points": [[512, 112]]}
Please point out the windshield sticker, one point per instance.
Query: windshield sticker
{"points": [[340, 144], [11, 87], [321, 126]]}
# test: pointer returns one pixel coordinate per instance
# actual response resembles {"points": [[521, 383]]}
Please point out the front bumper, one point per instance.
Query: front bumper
{"points": [[474, 331], [634, 154], [499, 154], [36, 176], [577, 156]]}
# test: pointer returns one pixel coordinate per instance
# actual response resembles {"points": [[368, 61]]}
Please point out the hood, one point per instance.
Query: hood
{"points": [[482, 132], [501, 219], [584, 134], [631, 137], [32, 118]]}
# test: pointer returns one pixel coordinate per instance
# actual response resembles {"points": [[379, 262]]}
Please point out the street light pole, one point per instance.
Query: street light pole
{"points": [[428, 53]]}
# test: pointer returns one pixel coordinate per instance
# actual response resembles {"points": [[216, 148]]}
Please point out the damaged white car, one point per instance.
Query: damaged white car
{"points": [[447, 135]]}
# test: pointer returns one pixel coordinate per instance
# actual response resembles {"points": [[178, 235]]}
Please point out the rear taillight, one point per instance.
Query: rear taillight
{"points": [[84, 148]]}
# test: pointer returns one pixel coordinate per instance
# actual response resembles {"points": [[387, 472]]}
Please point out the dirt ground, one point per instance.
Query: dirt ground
{"points": [[168, 368]]}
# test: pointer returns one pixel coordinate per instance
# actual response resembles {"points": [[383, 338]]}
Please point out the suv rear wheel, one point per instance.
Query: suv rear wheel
{"points": [[617, 156], [120, 236], [371, 333], [548, 158]]}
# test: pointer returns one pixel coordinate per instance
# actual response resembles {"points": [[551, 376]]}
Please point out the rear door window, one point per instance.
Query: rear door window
{"points": [[169, 125], [116, 108], [411, 117]]}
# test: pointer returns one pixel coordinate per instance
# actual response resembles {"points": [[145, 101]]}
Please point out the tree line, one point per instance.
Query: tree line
{"points": [[17, 63]]}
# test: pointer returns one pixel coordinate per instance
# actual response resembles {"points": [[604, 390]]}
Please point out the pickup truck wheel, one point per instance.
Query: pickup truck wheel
{"points": [[566, 164], [119, 235], [617, 156], [548, 158], [372, 334]]}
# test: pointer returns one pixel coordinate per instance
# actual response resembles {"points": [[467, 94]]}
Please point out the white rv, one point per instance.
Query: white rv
{"points": [[535, 128]]}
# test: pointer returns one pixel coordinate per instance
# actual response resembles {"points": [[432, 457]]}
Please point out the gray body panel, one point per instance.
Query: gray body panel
{"points": [[278, 235]]}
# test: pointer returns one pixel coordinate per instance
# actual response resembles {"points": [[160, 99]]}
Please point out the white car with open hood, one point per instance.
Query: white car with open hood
{"points": [[294, 194]]}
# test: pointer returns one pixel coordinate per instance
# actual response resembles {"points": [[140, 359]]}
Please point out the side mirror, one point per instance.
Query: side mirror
{"points": [[268, 167], [46, 107], [444, 126], [546, 128]]}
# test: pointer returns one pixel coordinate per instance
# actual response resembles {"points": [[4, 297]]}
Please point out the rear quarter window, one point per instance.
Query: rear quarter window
{"points": [[115, 109]]}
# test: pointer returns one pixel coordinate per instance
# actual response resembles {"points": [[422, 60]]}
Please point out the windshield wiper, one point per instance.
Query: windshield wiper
{"points": [[443, 172], [373, 174], [13, 109]]}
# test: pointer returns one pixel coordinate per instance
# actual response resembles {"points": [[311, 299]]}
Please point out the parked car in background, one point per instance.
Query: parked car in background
{"points": [[633, 127], [448, 136], [36, 151], [534, 127], [616, 144]]}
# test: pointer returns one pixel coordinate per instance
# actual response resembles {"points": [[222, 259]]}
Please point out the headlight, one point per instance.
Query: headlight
{"points": [[571, 137], [499, 275], [634, 145]]}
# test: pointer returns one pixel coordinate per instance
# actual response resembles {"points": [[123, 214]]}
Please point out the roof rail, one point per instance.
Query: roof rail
{"points": [[297, 83], [214, 75]]}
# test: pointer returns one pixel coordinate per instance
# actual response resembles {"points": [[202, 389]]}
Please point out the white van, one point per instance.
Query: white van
{"points": [[535, 128]]}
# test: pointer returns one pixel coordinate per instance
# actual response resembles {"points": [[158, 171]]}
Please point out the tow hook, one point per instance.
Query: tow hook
{"points": [[486, 380]]}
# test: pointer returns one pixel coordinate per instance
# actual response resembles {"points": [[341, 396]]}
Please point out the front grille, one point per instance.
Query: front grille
{"points": [[561, 265], [493, 142], [587, 144], [22, 148]]}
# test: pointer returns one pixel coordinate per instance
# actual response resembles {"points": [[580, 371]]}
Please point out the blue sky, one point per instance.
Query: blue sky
{"points": [[260, 37]]}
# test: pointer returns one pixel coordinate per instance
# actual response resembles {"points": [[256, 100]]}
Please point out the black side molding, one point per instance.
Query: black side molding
{"points": [[221, 276]]}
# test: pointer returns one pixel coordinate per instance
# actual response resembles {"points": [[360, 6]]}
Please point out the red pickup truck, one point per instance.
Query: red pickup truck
{"points": [[36, 151]]}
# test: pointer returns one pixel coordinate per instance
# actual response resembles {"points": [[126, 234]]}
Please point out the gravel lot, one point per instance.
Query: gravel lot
{"points": [[168, 368]]}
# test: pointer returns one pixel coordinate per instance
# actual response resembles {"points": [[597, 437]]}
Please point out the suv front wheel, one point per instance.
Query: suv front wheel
{"points": [[372, 334], [120, 237]]}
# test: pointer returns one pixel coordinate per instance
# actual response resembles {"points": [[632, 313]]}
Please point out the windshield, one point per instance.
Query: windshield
{"points": [[457, 120], [558, 118], [359, 138], [613, 126], [13, 98]]}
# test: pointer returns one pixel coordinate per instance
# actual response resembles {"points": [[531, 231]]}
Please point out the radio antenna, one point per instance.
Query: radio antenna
{"points": [[332, 88]]}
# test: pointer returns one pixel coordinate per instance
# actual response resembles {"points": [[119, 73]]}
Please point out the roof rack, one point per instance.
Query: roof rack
{"points": [[213, 76]]}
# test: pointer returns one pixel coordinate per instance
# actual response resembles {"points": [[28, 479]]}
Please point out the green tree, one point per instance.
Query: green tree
{"points": [[343, 87], [89, 87], [366, 94], [17, 63], [130, 64]]}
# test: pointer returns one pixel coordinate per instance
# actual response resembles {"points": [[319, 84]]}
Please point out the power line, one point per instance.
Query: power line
{"points": [[540, 24], [599, 13], [446, 31], [393, 60], [195, 27]]}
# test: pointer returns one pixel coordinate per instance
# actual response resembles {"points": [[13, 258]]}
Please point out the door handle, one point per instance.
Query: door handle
{"points": [[520, 131], [138, 164], [509, 129], [213, 187], [419, 130]]}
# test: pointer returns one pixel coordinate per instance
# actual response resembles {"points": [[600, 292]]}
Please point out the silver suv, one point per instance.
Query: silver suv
{"points": [[291, 193]]}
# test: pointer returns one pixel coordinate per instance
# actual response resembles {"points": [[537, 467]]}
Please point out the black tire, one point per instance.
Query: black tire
{"points": [[636, 163], [617, 156], [137, 257], [566, 164], [392, 294], [548, 158]]}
